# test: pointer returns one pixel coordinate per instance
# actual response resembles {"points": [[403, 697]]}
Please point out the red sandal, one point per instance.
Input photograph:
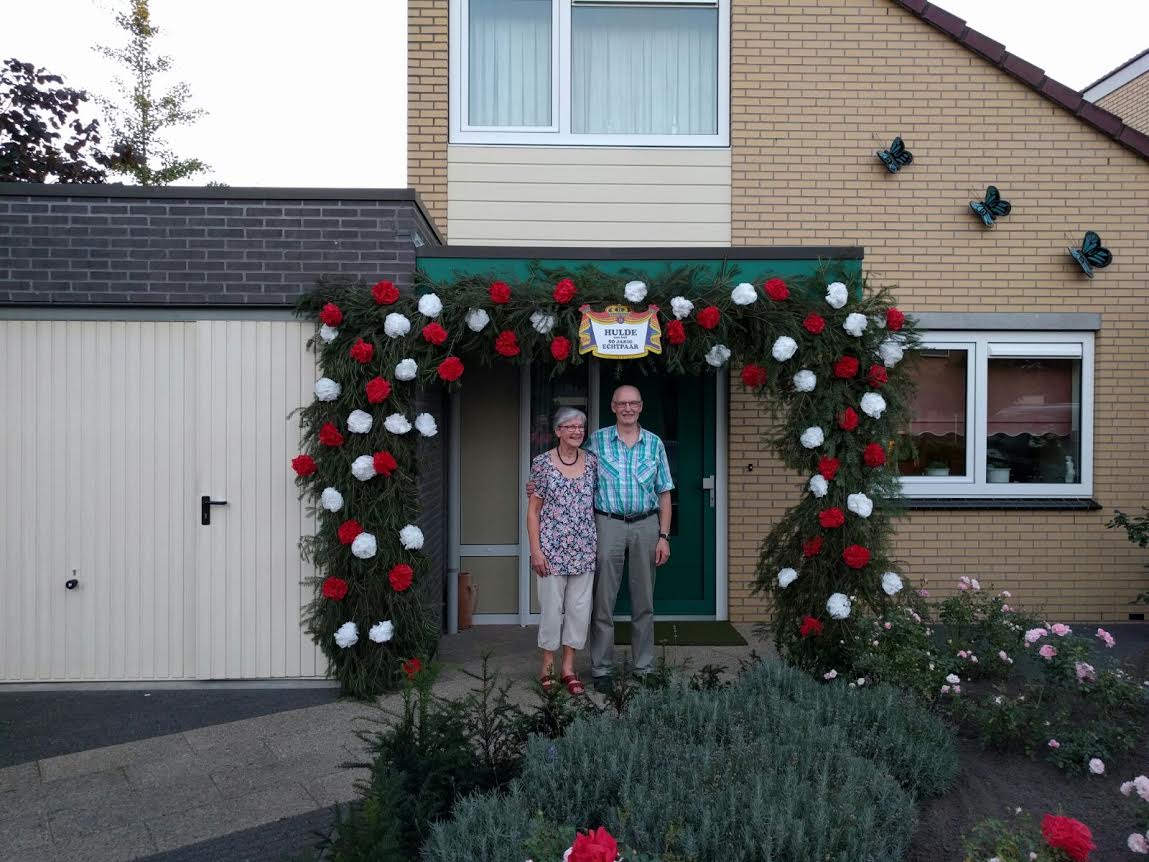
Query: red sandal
{"points": [[550, 686], [574, 684]]}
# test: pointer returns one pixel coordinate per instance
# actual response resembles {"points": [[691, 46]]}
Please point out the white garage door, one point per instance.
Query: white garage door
{"points": [[112, 433]]}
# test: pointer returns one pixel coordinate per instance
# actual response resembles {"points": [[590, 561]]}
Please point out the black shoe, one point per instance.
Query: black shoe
{"points": [[602, 684]]}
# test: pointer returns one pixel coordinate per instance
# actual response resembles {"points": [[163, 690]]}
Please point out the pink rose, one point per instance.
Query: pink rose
{"points": [[1053, 743], [1060, 629], [1034, 635], [1106, 637], [1084, 671], [1047, 651]]}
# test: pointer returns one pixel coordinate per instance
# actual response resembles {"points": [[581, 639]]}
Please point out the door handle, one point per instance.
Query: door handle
{"points": [[205, 504], [708, 485]]}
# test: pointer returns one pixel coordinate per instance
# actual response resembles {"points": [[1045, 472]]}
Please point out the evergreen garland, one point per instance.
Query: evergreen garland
{"points": [[384, 505]]}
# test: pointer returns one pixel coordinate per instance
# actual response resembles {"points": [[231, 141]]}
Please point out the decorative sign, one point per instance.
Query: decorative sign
{"points": [[619, 333]]}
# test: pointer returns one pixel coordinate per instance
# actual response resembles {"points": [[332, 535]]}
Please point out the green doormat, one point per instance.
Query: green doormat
{"points": [[701, 633]]}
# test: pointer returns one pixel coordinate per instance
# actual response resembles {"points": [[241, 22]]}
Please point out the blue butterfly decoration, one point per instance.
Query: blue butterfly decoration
{"points": [[992, 207], [896, 157], [1091, 254]]}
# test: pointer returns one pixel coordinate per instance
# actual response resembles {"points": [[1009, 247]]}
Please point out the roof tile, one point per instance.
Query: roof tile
{"points": [[987, 47], [945, 21], [1065, 96], [1019, 68], [1109, 123]]}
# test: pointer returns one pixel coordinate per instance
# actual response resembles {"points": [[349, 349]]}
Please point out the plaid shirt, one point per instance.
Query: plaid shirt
{"points": [[630, 478]]}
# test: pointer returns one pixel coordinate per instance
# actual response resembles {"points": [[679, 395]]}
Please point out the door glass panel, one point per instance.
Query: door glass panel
{"points": [[1033, 425], [569, 389]]}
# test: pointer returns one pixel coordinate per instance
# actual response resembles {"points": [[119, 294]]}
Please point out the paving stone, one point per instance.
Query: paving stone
{"points": [[242, 753], [339, 741], [23, 835], [240, 780], [100, 788], [271, 842], [336, 787], [135, 809], [19, 777], [116, 845], [340, 714], [112, 756]]}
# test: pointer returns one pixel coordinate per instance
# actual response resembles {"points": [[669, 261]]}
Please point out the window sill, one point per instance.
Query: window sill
{"points": [[1086, 504]]}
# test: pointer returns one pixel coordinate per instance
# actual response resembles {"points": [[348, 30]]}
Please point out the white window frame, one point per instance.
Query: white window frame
{"points": [[558, 132], [981, 347]]}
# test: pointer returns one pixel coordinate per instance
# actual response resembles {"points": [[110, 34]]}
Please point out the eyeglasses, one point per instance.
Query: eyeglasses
{"points": [[579, 428], [627, 403]]}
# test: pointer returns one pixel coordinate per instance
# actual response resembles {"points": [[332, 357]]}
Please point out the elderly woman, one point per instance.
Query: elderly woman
{"points": [[561, 527]]}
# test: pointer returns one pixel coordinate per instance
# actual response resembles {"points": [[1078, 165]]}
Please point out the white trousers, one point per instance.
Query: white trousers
{"points": [[561, 596]]}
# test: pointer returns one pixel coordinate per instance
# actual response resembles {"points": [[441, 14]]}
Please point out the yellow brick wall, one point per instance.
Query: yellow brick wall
{"points": [[427, 97], [1130, 102], [817, 86]]}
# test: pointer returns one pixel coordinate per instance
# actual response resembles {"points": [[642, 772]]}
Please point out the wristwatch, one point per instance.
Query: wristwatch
{"points": [[664, 536]]}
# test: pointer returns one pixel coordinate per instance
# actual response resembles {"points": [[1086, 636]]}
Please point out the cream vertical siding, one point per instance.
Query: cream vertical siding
{"points": [[588, 196]]}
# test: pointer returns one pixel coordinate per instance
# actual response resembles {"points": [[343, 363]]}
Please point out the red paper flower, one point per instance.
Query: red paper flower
{"points": [[708, 318], [846, 367], [451, 368], [411, 667], [675, 332], [384, 293], [828, 467], [596, 846], [303, 465], [433, 333], [334, 588], [564, 291], [385, 463], [856, 557], [361, 351], [1065, 833], [848, 419], [874, 455], [507, 344], [348, 530], [877, 376], [810, 626], [831, 518], [812, 547], [814, 323], [400, 577], [500, 294], [331, 314], [329, 435], [776, 289], [560, 348], [895, 320], [377, 390], [754, 376]]}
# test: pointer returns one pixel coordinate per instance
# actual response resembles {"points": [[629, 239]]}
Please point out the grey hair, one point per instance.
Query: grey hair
{"points": [[564, 415]]}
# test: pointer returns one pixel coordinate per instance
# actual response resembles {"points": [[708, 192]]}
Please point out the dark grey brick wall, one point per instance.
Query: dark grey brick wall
{"points": [[109, 245]]}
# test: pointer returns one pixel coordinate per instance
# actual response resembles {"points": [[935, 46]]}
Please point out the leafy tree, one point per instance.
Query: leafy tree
{"points": [[140, 115]]}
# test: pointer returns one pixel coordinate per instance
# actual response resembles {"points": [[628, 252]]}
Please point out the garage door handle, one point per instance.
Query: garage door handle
{"points": [[205, 504]]}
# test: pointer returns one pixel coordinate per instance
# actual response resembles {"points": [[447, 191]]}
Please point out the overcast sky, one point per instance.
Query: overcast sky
{"points": [[313, 94]]}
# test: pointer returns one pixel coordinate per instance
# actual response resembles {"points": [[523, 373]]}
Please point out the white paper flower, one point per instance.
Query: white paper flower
{"points": [[327, 389], [891, 352], [855, 324], [477, 319], [836, 294], [411, 537], [348, 635], [819, 487], [406, 370], [860, 505], [635, 291], [382, 632], [430, 305], [359, 422], [717, 355], [784, 347], [744, 294], [813, 437], [805, 380], [397, 423], [425, 425], [364, 546], [542, 322], [873, 404], [396, 325], [891, 583], [838, 606], [681, 306], [363, 468], [328, 333], [786, 577], [331, 500]]}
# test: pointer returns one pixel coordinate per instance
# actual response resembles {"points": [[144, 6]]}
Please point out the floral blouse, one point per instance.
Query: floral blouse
{"points": [[566, 524]]}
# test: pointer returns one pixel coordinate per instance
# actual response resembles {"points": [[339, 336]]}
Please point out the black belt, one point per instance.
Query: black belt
{"points": [[628, 519]]}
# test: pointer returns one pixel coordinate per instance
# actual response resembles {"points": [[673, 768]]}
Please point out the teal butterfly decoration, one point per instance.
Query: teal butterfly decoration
{"points": [[896, 157], [1092, 254], [992, 207]]}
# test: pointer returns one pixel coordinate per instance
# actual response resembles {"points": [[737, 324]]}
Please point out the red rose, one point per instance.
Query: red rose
{"points": [[814, 323], [411, 667], [377, 390], [848, 419], [810, 626], [754, 376], [776, 289], [385, 463], [895, 320], [845, 368], [856, 556], [831, 518], [877, 376], [596, 846], [828, 467], [564, 291], [451, 368], [303, 465], [331, 314], [329, 435], [506, 344], [348, 530], [1065, 833], [334, 588], [560, 348], [385, 293], [433, 333], [675, 332], [500, 294], [812, 547], [874, 455], [361, 351], [400, 577], [708, 318]]}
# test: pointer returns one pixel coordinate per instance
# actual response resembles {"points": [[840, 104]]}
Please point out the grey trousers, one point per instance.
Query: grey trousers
{"points": [[616, 541], [564, 610]]}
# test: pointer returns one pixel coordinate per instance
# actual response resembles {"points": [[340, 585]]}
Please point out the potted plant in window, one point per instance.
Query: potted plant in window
{"points": [[937, 468], [997, 467]]}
